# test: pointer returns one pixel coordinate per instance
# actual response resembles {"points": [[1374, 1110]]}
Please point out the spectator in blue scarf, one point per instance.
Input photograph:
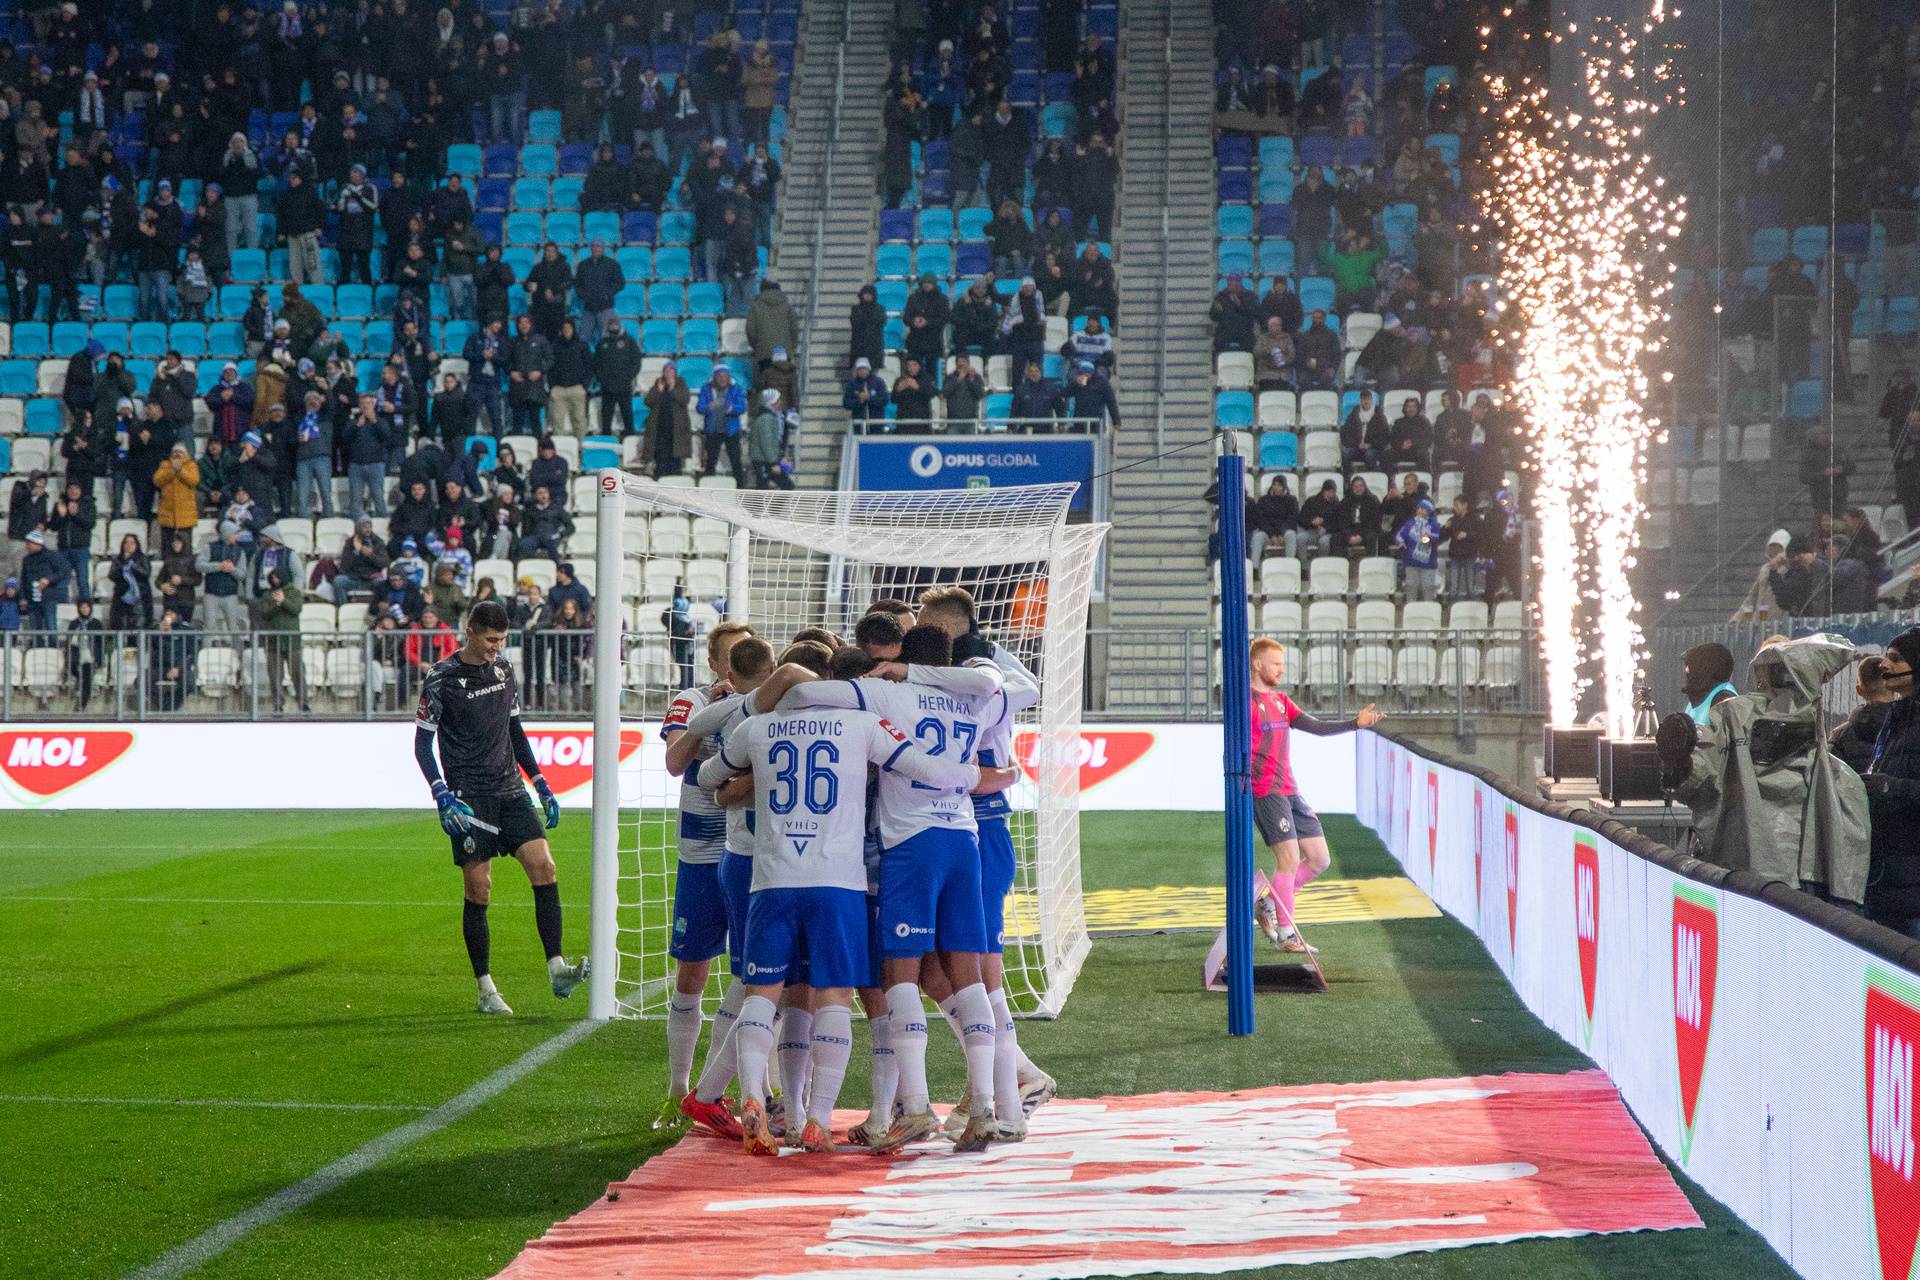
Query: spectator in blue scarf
{"points": [[1419, 541], [721, 409]]}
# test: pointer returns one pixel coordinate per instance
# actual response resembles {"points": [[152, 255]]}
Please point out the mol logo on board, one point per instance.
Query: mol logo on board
{"points": [[1406, 831], [1510, 837], [44, 762], [1433, 823], [1893, 1027], [565, 756], [1101, 755], [1586, 921], [1696, 972], [1479, 849]]}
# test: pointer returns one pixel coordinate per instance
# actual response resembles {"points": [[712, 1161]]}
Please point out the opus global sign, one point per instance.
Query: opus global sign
{"points": [[978, 462]]}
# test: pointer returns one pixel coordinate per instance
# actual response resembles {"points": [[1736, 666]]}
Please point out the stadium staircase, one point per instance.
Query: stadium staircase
{"points": [[1159, 579], [831, 211]]}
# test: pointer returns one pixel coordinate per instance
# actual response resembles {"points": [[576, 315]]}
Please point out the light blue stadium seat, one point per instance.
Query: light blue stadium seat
{"points": [[521, 258], [354, 301], [143, 371], [1056, 119], [1810, 243], [1903, 317], [464, 158], [696, 372], [489, 450], [531, 194], [542, 126], [896, 333], [1233, 409], [971, 223], [998, 408], [934, 259], [672, 262], [1316, 293], [1279, 448], [700, 335], [1437, 76], [892, 295], [599, 453], [148, 338], [601, 226], [1233, 222], [114, 335], [666, 300], [525, 229], [566, 192], [539, 160], [249, 265], [1276, 258], [1276, 151], [705, 299], [1447, 145], [43, 418], [893, 261], [1866, 318], [636, 260], [71, 335], [1236, 255], [1276, 186], [1770, 244], [122, 301], [17, 377], [454, 340], [33, 339], [1805, 399], [6, 455], [936, 224], [188, 337], [321, 296], [676, 228], [631, 300], [563, 228], [225, 339], [353, 334]]}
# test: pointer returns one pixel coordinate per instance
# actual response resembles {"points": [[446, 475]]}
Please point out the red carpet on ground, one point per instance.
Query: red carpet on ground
{"points": [[1170, 1182]]}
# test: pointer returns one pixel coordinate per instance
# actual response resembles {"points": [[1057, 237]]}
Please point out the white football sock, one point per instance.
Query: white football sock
{"points": [[832, 1046], [909, 1045], [793, 1043], [1006, 1059], [886, 1069], [683, 1037], [718, 1072], [1026, 1064], [950, 1010], [977, 1036], [557, 965], [753, 1041], [486, 983]]}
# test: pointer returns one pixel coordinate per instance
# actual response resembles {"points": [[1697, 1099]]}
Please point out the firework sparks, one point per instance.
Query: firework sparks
{"points": [[1584, 229]]}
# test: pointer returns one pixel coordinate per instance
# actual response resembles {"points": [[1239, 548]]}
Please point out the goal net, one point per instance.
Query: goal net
{"points": [[782, 561]]}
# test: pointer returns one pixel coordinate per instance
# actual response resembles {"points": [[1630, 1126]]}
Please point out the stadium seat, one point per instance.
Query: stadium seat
{"points": [[704, 299], [666, 300], [563, 228], [43, 418], [1276, 409], [1280, 577], [1328, 576], [676, 228], [1805, 399], [672, 262], [1233, 371], [1316, 294], [189, 338], [464, 158], [1234, 222], [1413, 667], [1279, 448], [1376, 576], [1319, 409], [1236, 257], [1467, 615], [1459, 667], [1770, 245], [539, 160], [1756, 443]]}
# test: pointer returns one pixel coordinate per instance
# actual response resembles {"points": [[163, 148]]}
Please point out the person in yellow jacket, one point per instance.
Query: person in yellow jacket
{"points": [[176, 483]]}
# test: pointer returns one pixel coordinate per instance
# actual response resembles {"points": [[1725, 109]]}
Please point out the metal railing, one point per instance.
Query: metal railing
{"points": [[977, 426], [820, 200]]}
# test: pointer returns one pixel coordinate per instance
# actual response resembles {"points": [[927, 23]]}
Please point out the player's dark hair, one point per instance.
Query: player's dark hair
{"points": [[810, 654], [972, 645], [877, 629], [819, 636], [892, 606], [927, 646], [849, 664], [750, 658], [487, 615]]}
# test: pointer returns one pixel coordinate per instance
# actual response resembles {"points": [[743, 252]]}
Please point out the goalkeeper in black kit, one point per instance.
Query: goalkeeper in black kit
{"points": [[471, 701]]}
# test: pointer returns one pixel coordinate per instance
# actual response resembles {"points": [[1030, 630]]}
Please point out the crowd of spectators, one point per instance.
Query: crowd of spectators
{"points": [[999, 164]]}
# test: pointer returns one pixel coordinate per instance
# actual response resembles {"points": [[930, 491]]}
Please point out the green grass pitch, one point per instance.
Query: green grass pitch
{"points": [[213, 959]]}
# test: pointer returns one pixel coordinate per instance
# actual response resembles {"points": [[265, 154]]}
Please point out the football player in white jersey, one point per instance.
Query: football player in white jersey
{"points": [[930, 872], [809, 884], [951, 608], [699, 907]]}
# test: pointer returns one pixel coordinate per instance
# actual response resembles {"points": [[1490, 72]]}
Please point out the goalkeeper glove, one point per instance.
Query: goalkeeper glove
{"points": [[455, 814], [548, 805]]}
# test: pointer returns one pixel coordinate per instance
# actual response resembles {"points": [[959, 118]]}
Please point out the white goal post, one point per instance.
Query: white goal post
{"points": [[782, 561]]}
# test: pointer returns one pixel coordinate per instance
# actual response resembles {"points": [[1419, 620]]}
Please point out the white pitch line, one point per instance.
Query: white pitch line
{"points": [[217, 1239], [216, 1102]]}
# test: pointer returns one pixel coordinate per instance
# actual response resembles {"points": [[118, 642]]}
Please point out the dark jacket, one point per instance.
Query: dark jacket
{"points": [[1853, 741], [616, 363], [1893, 874]]}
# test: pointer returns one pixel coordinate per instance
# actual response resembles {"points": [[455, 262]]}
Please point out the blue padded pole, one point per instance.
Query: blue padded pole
{"points": [[1237, 695]]}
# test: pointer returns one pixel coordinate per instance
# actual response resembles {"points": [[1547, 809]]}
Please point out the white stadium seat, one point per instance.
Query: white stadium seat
{"points": [[501, 571], [1321, 450], [1460, 664], [1324, 667], [1279, 616], [1413, 667], [1372, 667], [1233, 371], [1280, 576], [672, 535], [1373, 615], [1277, 409], [346, 671], [1467, 615], [1328, 576], [318, 617], [1502, 670], [1420, 615], [711, 536], [1320, 408], [1703, 490], [540, 570], [1327, 615], [1377, 576]]}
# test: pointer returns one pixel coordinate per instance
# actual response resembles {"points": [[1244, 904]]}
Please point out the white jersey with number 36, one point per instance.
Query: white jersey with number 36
{"points": [[810, 790]]}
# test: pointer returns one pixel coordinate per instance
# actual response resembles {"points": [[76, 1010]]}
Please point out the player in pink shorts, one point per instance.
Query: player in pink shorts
{"points": [[1286, 821]]}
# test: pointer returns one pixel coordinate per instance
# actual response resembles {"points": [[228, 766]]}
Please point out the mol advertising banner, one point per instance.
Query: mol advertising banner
{"points": [[370, 766], [977, 462], [1770, 1060]]}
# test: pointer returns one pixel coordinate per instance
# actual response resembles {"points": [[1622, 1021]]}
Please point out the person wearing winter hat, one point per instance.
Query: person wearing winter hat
{"points": [[1759, 604], [764, 441]]}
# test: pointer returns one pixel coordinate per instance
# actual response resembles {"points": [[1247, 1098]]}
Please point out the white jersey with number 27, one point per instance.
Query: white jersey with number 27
{"points": [[810, 790]]}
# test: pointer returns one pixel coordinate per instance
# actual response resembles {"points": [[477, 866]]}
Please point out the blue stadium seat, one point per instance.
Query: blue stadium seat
{"points": [[566, 193], [1810, 243], [1276, 151], [672, 262], [1236, 256], [696, 372], [998, 408], [1233, 409], [122, 301], [666, 300], [601, 226], [71, 335], [971, 223], [631, 300], [676, 228], [1769, 245], [491, 224], [563, 228], [249, 265], [935, 259], [936, 188], [1233, 222], [639, 228], [1317, 151], [149, 338], [543, 126], [234, 301], [355, 301], [114, 335], [636, 261], [893, 261], [705, 299], [143, 371], [1279, 448], [1316, 293], [502, 160], [378, 339], [896, 226], [453, 339], [1057, 120], [353, 334], [530, 194], [539, 160], [277, 263], [526, 228], [189, 338], [1234, 186], [33, 339], [17, 377], [702, 335], [1804, 402], [936, 224], [575, 159], [892, 295], [1276, 257], [1357, 153], [973, 258], [321, 296], [1053, 365], [489, 449], [896, 333], [464, 158], [1903, 317], [1866, 318], [598, 453], [1276, 220], [495, 193], [43, 418], [1851, 239]]}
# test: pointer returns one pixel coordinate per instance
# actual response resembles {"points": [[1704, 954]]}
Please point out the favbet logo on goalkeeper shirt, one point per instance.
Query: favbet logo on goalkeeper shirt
{"points": [[44, 762]]}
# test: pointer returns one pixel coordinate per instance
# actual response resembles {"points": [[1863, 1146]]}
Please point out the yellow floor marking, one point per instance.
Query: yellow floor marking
{"points": [[1169, 908]]}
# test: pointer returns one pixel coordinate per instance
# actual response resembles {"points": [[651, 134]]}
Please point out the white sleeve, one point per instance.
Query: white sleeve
{"points": [[962, 682], [1022, 688], [711, 718], [844, 694], [734, 756], [894, 753]]}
